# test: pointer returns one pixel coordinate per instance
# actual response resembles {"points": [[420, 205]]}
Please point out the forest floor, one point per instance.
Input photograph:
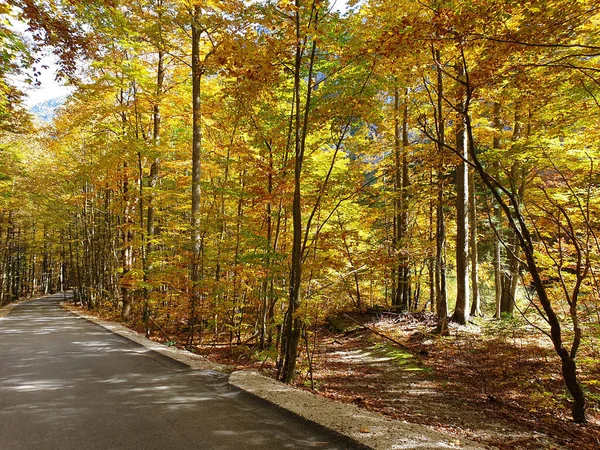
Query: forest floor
{"points": [[497, 383], [501, 387]]}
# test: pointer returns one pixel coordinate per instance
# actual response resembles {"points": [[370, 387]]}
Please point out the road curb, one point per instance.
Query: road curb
{"points": [[367, 428], [192, 360]]}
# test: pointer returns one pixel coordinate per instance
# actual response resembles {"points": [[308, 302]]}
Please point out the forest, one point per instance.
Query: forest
{"points": [[231, 173]]}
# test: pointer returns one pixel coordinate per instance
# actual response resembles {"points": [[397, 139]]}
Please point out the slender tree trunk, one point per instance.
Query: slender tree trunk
{"points": [[519, 226], [462, 310], [197, 72], [222, 231], [126, 296], [431, 231], [10, 234], [440, 262], [474, 254], [155, 166], [511, 275], [397, 241], [237, 314], [272, 296], [356, 298], [3, 261], [268, 276], [401, 298], [152, 182], [292, 322], [127, 237], [405, 281], [498, 275]]}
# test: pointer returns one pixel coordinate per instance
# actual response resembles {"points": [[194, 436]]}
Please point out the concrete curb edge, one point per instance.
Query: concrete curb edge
{"points": [[367, 428]]}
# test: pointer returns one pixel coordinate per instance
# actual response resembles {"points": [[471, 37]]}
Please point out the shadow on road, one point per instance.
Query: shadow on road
{"points": [[66, 383]]}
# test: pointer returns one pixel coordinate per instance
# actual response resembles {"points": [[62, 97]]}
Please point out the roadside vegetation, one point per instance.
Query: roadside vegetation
{"points": [[271, 181]]}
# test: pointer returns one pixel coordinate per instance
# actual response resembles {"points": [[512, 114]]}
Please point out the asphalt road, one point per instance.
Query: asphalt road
{"points": [[66, 383]]}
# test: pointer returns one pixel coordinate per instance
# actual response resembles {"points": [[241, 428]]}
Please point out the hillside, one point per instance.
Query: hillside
{"points": [[46, 110]]}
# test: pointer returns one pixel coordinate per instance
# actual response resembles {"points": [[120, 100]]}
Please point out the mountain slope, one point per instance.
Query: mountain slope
{"points": [[46, 110]]}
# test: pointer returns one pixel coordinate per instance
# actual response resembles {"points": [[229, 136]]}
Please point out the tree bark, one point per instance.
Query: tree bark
{"points": [[440, 262], [152, 182], [126, 251], [474, 254], [517, 181], [196, 237], [462, 310], [402, 292], [293, 324], [498, 275]]}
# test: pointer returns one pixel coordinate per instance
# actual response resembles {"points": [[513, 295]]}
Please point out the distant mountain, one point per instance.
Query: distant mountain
{"points": [[46, 110]]}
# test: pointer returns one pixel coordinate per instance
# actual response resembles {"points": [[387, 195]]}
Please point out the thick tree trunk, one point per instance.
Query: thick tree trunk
{"points": [[511, 275], [569, 372]]}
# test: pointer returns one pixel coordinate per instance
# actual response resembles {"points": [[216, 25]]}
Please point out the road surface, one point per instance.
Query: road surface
{"points": [[66, 383]]}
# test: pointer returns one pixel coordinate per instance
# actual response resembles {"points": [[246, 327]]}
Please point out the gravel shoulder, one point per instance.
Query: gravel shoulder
{"points": [[367, 428]]}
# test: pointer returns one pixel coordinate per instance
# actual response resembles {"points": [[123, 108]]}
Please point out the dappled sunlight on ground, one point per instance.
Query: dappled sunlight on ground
{"points": [[360, 368], [66, 383]]}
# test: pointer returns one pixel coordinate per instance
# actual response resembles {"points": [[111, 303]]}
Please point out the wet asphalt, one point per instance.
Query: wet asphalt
{"points": [[67, 383]]}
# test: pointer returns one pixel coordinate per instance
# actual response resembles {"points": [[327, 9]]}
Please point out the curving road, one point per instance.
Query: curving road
{"points": [[66, 383]]}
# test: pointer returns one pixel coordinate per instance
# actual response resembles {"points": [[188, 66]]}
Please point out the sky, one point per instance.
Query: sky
{"points": [[49, 87]]}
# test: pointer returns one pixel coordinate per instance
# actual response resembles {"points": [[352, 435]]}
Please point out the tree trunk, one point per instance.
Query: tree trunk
{"points": [[511, 276], [462, 310], [268, 277], [474, 254], [126, 296], [401, 299], [405, 281], [521, 230], [440, 261], [430, 259], [292, 326], [498, 275], [196, 238], [152, 182]]}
